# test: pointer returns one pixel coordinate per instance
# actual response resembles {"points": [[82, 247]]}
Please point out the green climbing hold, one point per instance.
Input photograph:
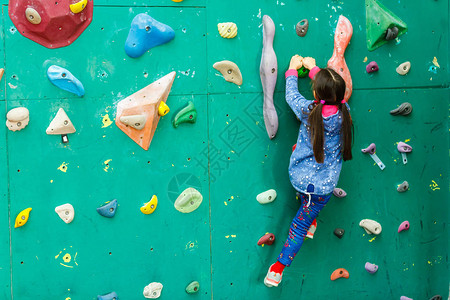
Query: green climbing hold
{"points": [[187, 115], [193, 287], [303, 72], [379, 20], [188, 201]]}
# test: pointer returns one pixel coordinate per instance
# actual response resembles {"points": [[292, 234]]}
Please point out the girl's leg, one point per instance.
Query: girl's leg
{"points": [[300, 225]]}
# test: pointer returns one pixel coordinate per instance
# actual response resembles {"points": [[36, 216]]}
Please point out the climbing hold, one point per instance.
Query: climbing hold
{"points": [[403, 68], [144, 102], [404, 148], [110, 296], [32, 16], [267, 239], [65, 212], [372, 67], [403, 187], [311, 230], [188, 114], [371, 150], [267, 196], [229, 70], [405, 298], [193, 287], [63, 79], [2, 71], [135, 121], [146, 33], [340, 193], [371, 226], [22, 217], [163, 109], [150, 206], [227, 30], [109, 209], [78, 7], [268, 71], [17, 118], [381, 25], [340, 273], [177, 0], [47, 23], [188, 201], [404, 109], [303, 72], [391, 33], [403, 226], [153, 290], [302, 27], [436, 297], [339, 232], [342, 37], [62, 125], [371, 268]]}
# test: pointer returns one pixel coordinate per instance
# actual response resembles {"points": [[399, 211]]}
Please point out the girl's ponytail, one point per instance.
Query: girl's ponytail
{"points": [[346, 131], [315, 121]]}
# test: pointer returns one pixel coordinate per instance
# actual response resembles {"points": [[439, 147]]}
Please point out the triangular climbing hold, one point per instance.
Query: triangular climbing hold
{"points": [[60, 124], [378, 20], [146, 103]]}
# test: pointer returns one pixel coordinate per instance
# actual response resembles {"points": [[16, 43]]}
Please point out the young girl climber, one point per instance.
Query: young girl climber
{"points": [[324, 140]]}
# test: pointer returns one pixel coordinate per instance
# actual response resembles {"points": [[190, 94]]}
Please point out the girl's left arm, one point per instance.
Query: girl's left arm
{"points": [[296, 101]]}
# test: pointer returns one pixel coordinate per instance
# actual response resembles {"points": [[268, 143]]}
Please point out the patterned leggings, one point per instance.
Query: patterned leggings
{"points": [[300, 225]]}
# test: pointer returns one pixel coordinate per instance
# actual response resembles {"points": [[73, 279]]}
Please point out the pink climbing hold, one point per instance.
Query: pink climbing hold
{"points": [[372, 67], [405, 298], [403, 226], [50, 23], [344, 32], [267, 239]]}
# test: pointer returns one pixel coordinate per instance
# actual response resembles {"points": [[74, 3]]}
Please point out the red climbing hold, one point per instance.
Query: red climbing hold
{"points": [[50, 23], [267, 239]]}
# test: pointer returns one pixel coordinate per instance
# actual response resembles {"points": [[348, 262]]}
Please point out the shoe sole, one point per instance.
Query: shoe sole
{"points": [[269, 284]]}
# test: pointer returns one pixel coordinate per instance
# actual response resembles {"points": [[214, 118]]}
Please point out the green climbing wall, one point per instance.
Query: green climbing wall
{"points": [[226, 155]]}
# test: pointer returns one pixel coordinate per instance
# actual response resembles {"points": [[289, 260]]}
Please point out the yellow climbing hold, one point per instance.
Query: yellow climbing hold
{"points": [[78, 7], [150, 206], [177, 0], [22, 217], [163, 109], [227, 30]]}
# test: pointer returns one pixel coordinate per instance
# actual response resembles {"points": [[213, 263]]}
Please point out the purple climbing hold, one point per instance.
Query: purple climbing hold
{"points": [[405, 298], [403, 226], [371, 149], [146, 33], [403, 147], [371, 268], [372, 67], [436, 297], [340, 193]]}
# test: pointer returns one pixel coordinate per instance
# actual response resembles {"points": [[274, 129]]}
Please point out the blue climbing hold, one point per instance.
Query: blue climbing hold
{"points": [[63, 79], [146, 33], [110, 296], [108, 210]]}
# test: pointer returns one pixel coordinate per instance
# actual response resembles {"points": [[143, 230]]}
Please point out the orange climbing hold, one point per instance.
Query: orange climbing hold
{"points": [[145, 104], [344, 32], [340, 273]]}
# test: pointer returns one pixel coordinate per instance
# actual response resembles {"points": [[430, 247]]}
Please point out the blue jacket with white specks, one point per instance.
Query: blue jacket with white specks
{"points": [[303, 168]]}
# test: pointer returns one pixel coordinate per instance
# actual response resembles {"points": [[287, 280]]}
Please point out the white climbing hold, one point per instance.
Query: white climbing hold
{"points": [[229, 70], [371, 226], [65, 212], [153, 290], [32, 16], [404, 68], [60, 124], [267, 196], [17, 118], [135, 121]]}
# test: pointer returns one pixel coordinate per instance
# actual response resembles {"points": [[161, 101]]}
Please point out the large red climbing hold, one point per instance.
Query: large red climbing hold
{"points": [[50, 23]]}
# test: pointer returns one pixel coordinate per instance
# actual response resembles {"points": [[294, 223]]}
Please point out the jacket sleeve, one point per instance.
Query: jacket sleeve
{"points": [[294, 99]]}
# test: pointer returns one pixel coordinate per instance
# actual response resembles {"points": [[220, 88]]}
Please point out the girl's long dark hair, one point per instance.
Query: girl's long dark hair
{"points": [[329, 86]]}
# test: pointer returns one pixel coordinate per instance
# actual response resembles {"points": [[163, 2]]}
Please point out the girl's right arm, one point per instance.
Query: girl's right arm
{"points": [[296, 101]]}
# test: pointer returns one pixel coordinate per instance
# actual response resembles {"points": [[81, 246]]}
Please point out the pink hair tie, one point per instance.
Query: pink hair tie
{"points": [[322, 101], [343, 101]]}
